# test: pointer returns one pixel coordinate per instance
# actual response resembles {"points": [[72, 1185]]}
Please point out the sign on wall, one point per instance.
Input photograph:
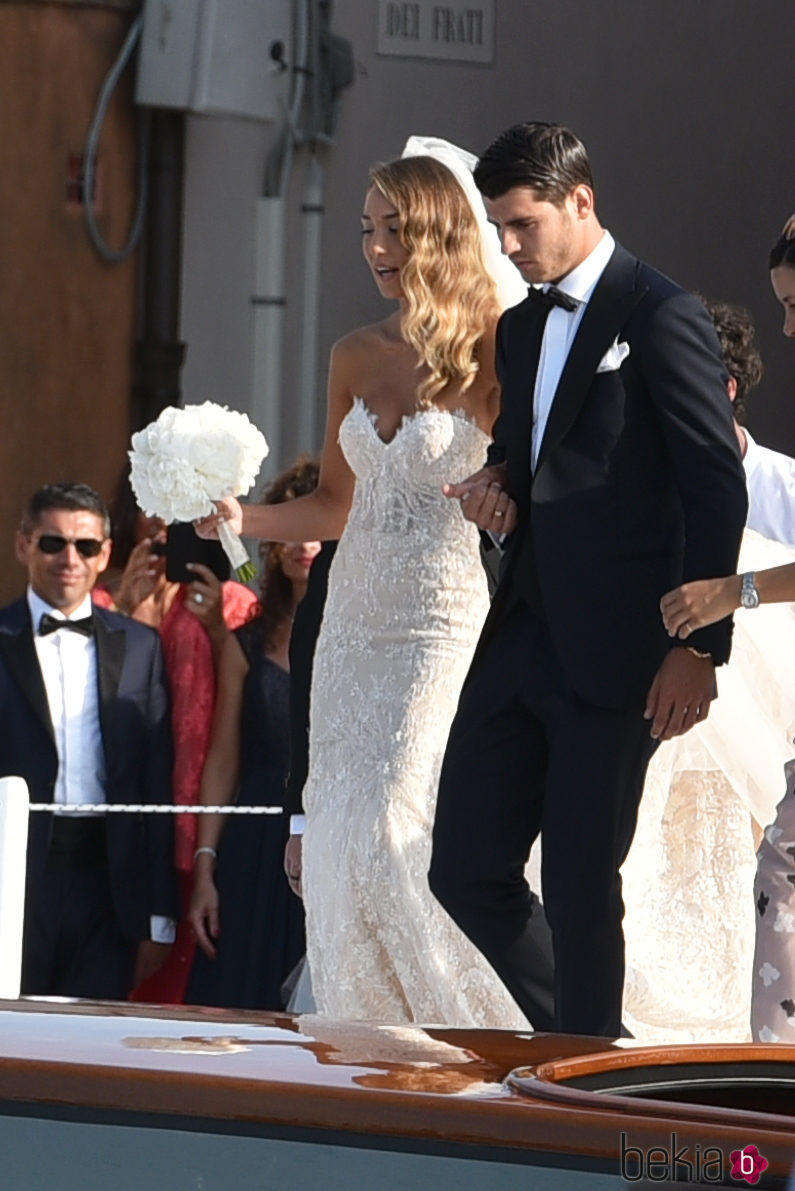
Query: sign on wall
{"points": [[458, 31]]}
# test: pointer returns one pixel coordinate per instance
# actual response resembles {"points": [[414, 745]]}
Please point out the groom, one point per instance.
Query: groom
{"points": [[615, 471]]}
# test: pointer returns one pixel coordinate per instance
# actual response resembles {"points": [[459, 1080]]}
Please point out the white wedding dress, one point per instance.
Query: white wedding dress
{"points": [[406, 601], [689, 876]]}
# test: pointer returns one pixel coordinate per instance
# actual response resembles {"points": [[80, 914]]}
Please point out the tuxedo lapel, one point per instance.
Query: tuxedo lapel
{"points": [[19, 654], [111, 646], [615, 297]]}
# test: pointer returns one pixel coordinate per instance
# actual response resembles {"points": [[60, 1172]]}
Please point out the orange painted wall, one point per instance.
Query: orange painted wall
{"points": [[67, 319]]}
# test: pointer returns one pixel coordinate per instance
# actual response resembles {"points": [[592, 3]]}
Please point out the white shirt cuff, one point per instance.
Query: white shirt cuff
{"points": [[162, 930], [297, 824]]}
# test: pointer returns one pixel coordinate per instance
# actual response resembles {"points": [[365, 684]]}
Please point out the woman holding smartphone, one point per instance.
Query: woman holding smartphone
{"points": [[194, 620]]}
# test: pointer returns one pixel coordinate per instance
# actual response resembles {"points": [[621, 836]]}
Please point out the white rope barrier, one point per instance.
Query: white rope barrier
{"points": [[148, 808], [14, 810]]}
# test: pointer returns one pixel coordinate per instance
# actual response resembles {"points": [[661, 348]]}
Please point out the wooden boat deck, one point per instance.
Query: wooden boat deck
{"points": [[545, 1103]]}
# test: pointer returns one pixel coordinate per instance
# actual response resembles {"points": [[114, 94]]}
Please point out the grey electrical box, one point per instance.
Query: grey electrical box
{"points": [[217, 57]]}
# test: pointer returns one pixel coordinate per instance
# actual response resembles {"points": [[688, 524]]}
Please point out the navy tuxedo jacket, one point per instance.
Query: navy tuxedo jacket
{"points": [[639, 484], [136, 734]]}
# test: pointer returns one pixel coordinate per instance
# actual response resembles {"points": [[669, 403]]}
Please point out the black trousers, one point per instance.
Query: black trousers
{"points": [[527, 755], [71, 943]]}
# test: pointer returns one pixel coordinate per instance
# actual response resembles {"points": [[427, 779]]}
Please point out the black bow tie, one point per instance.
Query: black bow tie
{"points": [[49, 624], [545, 300]]}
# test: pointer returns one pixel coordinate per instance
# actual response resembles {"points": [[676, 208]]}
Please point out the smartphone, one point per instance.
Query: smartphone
{"points": [[183, 545]]}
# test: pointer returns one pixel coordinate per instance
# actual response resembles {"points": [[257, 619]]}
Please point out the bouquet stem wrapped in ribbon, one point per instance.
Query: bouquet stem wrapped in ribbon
{"points": [[189, 458]]}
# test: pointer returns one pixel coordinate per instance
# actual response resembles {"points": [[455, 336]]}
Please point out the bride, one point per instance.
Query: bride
{"points": [[411, 403]]}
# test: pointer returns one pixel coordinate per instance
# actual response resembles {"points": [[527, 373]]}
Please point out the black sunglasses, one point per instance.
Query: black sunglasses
{"points": [[53, 543]]}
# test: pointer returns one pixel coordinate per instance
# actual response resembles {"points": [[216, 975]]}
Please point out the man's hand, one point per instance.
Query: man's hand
{"points": [[293, 859], [484, 500], [150, 959], [680, 695]]}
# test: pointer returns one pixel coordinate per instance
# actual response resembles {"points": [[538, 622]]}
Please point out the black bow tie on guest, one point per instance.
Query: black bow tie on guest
{"points": [[49, 624], [545, 300]]}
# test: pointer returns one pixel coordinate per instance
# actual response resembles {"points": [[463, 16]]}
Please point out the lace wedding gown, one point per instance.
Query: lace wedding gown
{"points": [[406, 601], [689, 876]]}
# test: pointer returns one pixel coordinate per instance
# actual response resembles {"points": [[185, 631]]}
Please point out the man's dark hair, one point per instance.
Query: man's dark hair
{"points": [[547, 158], [737, 336], [782, 253], [74, 497]]}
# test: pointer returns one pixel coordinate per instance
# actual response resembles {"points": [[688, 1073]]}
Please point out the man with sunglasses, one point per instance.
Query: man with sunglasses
{"points": [[85, 719]]}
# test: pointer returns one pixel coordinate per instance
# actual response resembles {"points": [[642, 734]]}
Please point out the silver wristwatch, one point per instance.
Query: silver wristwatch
{"points": [[749, 596]]}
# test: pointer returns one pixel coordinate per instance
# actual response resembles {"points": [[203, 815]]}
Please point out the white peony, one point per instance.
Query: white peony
{"points": [[188, 458]]}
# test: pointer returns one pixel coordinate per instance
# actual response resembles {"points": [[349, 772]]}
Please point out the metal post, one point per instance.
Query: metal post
{"points": [[14, 804]]}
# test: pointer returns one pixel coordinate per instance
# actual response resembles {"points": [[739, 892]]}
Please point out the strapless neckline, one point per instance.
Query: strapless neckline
{"points": [[407, 419]]}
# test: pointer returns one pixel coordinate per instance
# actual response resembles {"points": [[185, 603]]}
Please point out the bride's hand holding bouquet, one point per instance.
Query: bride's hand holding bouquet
{"points": [[193, 461], [228, 511]]}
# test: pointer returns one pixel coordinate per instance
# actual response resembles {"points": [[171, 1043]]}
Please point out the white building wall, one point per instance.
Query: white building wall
{"points": [[680, 103]]}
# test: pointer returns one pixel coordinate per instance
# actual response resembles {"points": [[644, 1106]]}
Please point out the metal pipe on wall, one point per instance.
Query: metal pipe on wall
{"points": [[269, 299], [160, 352], [312, 211], [268, 325]]}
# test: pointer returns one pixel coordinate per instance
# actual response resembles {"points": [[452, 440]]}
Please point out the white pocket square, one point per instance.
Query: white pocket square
{"points": [[614, 357]]}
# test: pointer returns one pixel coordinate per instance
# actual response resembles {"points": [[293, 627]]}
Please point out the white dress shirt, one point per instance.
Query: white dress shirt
{"points": [[68, 662], [770, 477], [559, 331]]}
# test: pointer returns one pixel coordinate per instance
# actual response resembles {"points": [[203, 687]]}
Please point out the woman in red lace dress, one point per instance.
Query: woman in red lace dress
{"points": [[194, 621]]}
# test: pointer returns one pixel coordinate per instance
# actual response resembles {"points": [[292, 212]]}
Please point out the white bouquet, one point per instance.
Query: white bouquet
{"points": [[188, 458]]}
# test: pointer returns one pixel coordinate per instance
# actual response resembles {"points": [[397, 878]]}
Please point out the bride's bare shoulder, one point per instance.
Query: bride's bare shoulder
{"points": [[364, 341]]}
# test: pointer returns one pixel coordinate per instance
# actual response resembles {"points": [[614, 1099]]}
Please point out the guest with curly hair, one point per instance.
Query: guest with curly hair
{"points": [[770, 475]]}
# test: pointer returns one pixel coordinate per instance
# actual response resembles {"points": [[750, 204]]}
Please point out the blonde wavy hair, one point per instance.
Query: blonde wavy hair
{"points": [[451, 299]]}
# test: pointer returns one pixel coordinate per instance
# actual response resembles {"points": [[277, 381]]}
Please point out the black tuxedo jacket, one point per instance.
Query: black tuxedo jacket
{"points": [[639, 484], [136, 734]]}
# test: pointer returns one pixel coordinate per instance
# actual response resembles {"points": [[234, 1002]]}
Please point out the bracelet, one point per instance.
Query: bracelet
{"points": [[209, 852]]}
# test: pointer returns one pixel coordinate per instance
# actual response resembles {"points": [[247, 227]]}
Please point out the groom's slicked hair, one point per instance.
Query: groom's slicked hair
{"points": [[547, 158]]}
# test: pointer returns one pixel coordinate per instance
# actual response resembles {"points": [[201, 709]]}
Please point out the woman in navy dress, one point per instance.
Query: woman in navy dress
{"points": [[249, 926]]}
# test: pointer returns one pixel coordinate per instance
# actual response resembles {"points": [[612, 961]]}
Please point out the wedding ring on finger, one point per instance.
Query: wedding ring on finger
{"points": [[198, 598], [499, 513]]}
